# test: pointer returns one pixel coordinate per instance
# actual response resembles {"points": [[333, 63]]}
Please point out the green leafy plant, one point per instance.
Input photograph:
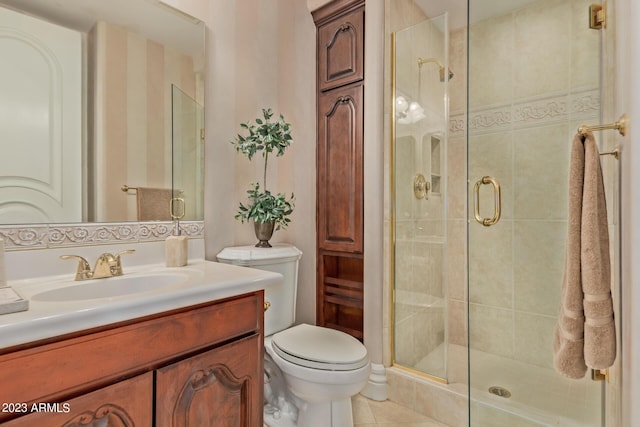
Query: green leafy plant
{"points": [[265, 136], [266, 207]]}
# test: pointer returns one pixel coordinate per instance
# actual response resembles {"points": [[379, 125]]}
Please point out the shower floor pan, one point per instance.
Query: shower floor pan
{"points": [[524, 395], [510, 393]]}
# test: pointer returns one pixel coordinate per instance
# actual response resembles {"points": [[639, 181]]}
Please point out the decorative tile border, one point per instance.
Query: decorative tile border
{"points": [[539, 111], [26, 237], [584, 105], [43, 236], [457, 124], [490, 120]]}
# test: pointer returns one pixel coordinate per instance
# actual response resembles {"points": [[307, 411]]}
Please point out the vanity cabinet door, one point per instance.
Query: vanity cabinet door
{"points": [[125, 404], [340, 170], [341, 50], [221, 387]]}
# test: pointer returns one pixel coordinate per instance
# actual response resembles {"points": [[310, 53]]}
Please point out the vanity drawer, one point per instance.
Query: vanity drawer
{"points": [[69, 367], [127, 403]]}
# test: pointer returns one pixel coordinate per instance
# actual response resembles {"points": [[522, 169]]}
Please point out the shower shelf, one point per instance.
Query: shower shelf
{"points": [[418, 299]]}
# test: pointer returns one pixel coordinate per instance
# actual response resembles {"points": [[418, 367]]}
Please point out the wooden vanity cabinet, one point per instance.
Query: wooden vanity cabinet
{"points": [[198, 366], [340, 166]]}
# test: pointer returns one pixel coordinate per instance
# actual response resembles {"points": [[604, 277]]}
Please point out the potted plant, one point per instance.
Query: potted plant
{"points": [[267, 210]]}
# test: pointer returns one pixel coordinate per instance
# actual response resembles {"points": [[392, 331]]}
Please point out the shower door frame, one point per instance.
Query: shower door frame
{"points": [[392, 233]]}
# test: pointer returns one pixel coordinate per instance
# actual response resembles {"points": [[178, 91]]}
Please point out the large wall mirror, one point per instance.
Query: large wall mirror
{"points": [[101, 112]]}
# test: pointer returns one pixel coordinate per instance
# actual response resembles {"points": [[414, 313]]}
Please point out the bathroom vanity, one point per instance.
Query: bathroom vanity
{"points": [[195, 364]]}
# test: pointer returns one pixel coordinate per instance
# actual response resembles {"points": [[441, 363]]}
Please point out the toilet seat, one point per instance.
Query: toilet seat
{"points": [[320, 348]]}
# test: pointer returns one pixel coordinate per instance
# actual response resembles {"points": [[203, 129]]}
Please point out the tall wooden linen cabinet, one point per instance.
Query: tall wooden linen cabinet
{"points": [[340, 121]]}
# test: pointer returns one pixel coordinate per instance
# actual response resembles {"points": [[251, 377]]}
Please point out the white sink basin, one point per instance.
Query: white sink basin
{"points": [[58, 305], [111, 287]]}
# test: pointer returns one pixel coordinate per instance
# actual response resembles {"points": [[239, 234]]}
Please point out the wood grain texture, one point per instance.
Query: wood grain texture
{"points": [[68, 368], [341, 51], [128, 403], [227, 376], [340, 166]]}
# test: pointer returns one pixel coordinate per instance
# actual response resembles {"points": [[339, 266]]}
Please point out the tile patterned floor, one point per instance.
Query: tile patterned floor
{"points": [[369, 413]]}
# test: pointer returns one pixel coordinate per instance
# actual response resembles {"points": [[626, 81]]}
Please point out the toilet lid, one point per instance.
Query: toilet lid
{"points": [[320, 348]]}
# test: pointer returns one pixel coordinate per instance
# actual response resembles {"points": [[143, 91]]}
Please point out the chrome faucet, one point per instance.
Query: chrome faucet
{"points": [[107, 265]]}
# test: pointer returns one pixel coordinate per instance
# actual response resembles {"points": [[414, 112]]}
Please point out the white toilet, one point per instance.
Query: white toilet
{"points": [[321, 367]]}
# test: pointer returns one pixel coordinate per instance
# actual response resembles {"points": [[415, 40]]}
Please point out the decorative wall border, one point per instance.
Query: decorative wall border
{"points": [[48, 236], [527, 113]]}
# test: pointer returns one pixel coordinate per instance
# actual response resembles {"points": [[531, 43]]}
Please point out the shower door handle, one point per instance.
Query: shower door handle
{"points": [[487, 222]]}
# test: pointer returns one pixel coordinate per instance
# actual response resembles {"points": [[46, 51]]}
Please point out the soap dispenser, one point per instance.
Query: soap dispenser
{"points": [[176, 248]]}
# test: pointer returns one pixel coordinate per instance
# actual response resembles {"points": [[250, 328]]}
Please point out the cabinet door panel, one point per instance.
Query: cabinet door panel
{"points": [[218, 388], [340, 143], [125, 404], [340, 50]]}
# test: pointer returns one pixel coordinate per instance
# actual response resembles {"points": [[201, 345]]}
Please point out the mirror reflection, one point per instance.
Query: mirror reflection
{"points": [[101, 101], [188, 155]]}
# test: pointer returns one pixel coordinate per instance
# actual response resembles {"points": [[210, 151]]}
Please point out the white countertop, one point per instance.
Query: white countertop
{"points": [[204, 281]]}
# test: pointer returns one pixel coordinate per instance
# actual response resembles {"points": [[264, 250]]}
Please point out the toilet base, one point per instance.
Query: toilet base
{"points": [[272, 420], [318, 414], [339, 412]]}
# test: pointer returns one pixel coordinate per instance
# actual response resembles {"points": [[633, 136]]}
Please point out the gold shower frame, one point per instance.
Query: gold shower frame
{"points": [[392, 231]]}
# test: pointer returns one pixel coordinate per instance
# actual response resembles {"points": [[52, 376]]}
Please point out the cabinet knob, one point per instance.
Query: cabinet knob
{"points": [[267, 304]]}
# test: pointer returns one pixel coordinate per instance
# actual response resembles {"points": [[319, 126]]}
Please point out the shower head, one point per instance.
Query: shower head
{"points": [[443, 75]]}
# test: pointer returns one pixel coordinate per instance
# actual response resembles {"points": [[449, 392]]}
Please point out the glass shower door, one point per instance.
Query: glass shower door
{"points": [[421, 76], [533, 79]]}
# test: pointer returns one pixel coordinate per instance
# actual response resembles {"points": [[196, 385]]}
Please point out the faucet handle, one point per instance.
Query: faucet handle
{"points": [[84, 269], [118, 265], [128, 251]]}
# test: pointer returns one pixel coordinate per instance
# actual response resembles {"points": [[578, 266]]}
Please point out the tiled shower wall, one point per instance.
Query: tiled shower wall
{"points": [[535, 79]]}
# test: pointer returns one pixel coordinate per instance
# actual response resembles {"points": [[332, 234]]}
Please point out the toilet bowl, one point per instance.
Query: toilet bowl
{"points": [[322, 368]]}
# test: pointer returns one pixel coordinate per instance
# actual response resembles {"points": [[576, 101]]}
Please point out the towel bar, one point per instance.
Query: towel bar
{"points": [[615, 153], [621, 126], [126, 188], [599, 374]]}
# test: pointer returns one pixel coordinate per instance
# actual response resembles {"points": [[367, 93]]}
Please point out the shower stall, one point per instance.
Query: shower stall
{"points": [[484, 111]]}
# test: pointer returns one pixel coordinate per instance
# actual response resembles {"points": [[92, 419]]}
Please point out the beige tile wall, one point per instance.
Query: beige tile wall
{"points": [[535, 78]]}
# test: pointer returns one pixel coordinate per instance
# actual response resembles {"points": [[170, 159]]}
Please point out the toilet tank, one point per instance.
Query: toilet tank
{"points": [[281, 258]]}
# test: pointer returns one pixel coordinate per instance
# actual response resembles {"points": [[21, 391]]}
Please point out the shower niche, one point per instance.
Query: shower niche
{"points": [[435, 149]]}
